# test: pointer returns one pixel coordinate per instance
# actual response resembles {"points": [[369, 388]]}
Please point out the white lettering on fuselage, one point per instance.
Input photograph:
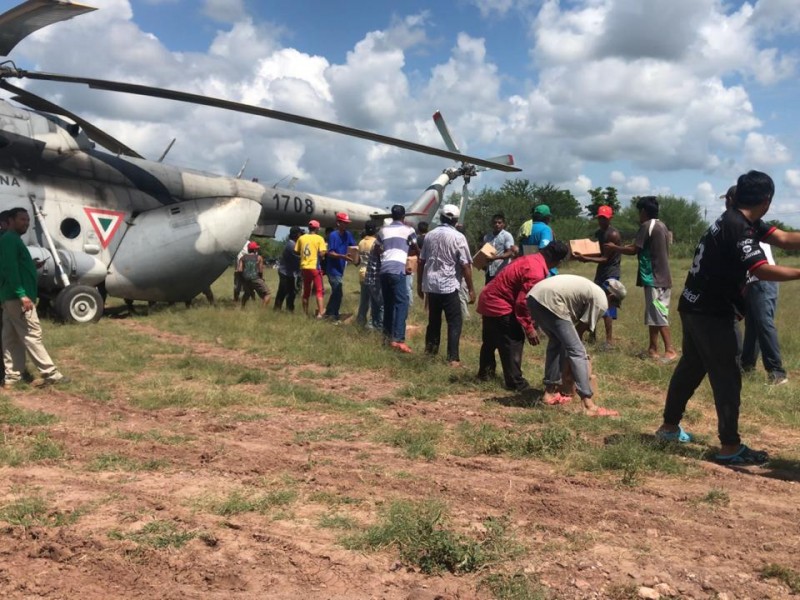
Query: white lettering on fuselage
{"points": [[9, 180]]}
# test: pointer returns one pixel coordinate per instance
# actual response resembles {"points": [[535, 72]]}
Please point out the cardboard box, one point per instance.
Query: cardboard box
{"points": [[411, 264], [586, 247], [483, 256], [352, 252]]}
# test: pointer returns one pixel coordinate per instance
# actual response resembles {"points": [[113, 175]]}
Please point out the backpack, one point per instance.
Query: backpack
{"points": [[250, 267]]}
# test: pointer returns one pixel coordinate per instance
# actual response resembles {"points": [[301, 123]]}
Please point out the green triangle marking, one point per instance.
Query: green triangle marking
{"points": [[105, 223]]}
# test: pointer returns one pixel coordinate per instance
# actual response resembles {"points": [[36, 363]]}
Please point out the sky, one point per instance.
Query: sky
{"points": [[657, 97]]}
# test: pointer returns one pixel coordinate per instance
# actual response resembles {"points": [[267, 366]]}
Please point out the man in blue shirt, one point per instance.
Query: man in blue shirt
{"points": [[536, 232], [336, 260]]}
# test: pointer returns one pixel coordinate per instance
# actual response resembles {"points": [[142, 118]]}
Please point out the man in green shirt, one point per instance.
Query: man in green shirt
{"points": [[22, 332]]}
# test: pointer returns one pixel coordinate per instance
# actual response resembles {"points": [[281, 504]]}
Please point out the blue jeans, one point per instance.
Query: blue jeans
{"points": [[335, 301], [371, 300], [395, 306], [759, 328]]}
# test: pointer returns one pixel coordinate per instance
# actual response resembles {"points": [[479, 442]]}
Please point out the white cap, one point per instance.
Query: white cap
{"points": [[450, 211]]}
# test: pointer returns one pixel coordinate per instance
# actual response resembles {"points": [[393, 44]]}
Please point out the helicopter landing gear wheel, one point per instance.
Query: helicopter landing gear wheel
{"points": [[79, 304]]}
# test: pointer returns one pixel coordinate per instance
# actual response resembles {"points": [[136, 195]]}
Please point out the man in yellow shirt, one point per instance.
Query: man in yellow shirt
{"points": [[312, 248]]}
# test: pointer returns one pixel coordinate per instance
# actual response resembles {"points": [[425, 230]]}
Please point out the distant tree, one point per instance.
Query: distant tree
{"points": [[601, 197], [516, 199]]}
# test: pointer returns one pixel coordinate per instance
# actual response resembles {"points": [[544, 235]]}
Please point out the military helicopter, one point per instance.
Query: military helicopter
{"points": [[141, 229]]}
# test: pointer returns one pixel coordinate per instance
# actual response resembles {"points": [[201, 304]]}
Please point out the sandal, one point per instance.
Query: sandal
{"points": [[602, 411], [744, 456], [557, 399], [679, 436]]}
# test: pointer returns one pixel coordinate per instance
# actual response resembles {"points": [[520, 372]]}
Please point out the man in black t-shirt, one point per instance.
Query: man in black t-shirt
{"points": [[711, 300]]}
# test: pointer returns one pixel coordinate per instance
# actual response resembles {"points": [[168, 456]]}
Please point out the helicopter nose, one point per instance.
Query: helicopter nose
{"points": [[174, 252]]}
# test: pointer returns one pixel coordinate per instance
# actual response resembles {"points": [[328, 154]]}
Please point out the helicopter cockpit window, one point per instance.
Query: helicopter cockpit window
{"points": [[70, 228]]}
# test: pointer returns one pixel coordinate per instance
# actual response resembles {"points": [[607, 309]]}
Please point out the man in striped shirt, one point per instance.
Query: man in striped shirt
{"points": [[393, 243]]}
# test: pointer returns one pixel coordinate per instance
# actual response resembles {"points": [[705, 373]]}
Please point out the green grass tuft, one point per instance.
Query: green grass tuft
{"points": [[419, 531], [786, 575], [157, 534]]}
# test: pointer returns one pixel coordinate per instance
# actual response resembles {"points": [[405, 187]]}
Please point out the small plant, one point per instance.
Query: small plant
{"points": [[29, 511], [418, 530], [157, 534], [517, 586], [786, 575], [716, 497]]}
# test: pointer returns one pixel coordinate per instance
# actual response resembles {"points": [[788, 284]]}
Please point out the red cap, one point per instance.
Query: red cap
{"points": [[313, 224], [605, 211], [342, 217], [252, 246]]}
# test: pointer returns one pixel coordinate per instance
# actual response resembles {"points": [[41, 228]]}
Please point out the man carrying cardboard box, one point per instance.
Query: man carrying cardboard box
{"points": [[608, 264], [502, 242]]}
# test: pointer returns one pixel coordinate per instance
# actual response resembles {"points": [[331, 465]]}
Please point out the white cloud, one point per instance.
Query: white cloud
{"points": [[762, 151], [659, 85]]}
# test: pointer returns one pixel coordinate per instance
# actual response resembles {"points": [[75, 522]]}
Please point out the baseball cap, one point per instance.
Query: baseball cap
{"points": [[605, 211], [450, 211], [616, 288], [342, 217], [252, 246], [542, 210], [313, 224], [398, 212]]}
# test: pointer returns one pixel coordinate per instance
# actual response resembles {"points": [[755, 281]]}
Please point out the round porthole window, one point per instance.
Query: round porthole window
{"points": [[70, 228]]}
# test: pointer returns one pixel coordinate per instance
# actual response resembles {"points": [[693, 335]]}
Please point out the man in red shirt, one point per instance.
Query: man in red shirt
{"points": [[506, 320]]}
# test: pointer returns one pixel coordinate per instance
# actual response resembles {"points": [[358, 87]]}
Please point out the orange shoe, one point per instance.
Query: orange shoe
{"points": [[402, 347]]}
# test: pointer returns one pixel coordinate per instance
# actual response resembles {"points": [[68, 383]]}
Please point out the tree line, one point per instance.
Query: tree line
{"points": [[516, 198]]}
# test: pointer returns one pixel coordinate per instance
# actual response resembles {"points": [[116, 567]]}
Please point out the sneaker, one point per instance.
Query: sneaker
{"points": [[46, 381], [777, 378], [402, 347]]}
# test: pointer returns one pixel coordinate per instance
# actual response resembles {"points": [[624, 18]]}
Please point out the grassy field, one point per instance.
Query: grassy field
{"points": [[249, 453]]}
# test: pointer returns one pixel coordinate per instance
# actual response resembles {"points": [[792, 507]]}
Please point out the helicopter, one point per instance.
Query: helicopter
{"points": [[113, 221]]}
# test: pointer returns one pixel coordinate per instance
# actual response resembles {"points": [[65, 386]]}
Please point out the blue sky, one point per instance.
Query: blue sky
{"points": [[664, 96]]}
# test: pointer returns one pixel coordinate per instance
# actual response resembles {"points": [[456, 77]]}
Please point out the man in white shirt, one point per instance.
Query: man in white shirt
{"points": [[444, 260]]}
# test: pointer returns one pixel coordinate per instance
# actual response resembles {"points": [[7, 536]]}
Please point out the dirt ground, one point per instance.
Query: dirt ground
{"points": [[587, 536]]}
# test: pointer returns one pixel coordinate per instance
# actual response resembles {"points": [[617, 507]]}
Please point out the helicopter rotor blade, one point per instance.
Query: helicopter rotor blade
{"points": [[155, 92], [92, 132], [445, 132], [21, 21]]}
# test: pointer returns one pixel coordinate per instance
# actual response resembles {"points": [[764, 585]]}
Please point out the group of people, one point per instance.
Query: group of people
{"points": [[732, 276]]}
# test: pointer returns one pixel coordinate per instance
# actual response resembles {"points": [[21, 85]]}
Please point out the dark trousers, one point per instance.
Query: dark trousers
{"points": [[505, 335], [451, 306], [709, 348], [287, 290]]}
